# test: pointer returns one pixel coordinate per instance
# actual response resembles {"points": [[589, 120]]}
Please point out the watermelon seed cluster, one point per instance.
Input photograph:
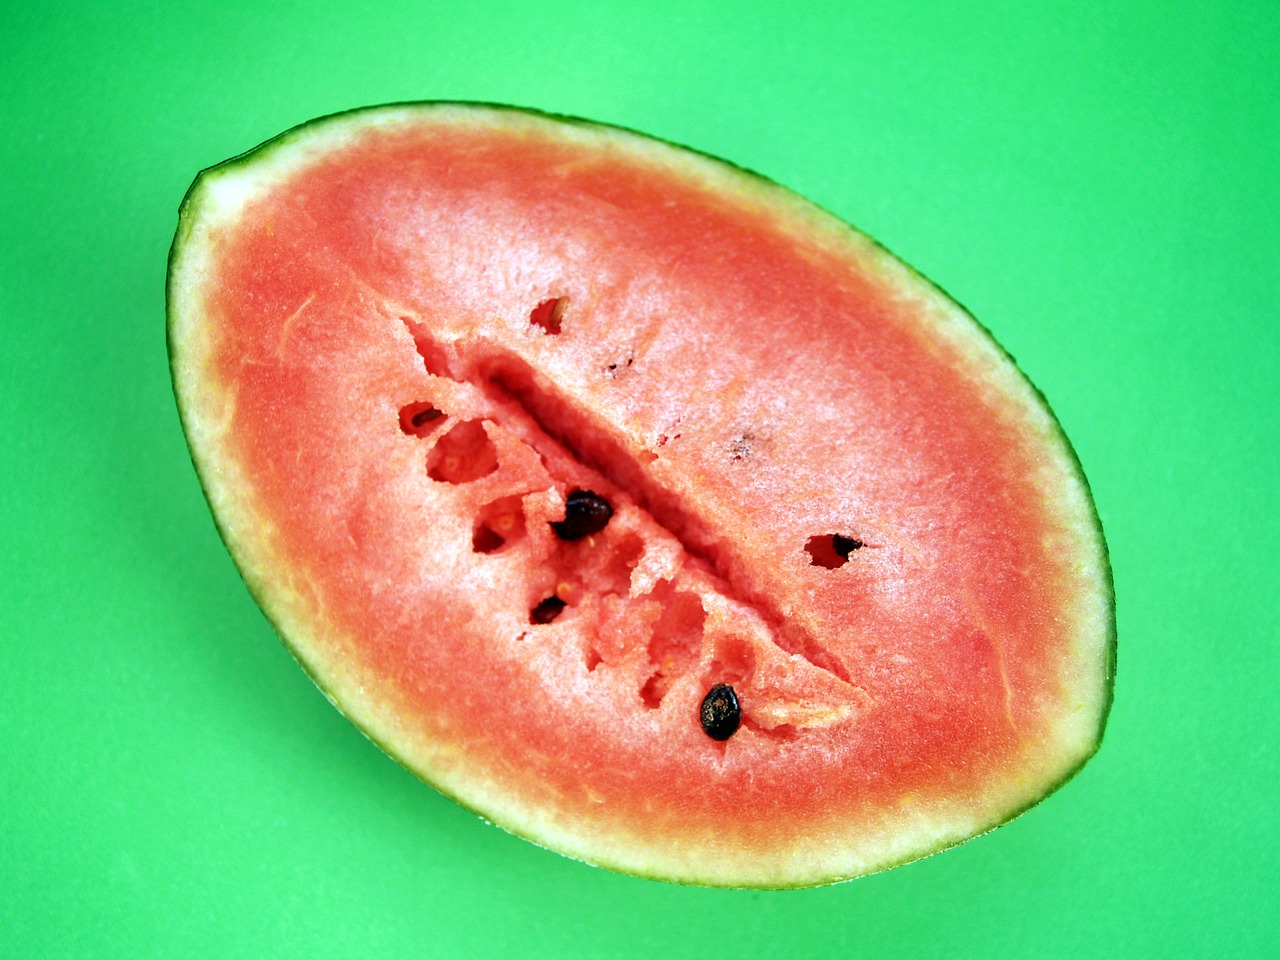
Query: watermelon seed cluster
{"points": [[585, 554]]}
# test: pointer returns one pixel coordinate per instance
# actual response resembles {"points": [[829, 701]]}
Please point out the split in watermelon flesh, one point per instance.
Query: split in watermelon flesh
{"points": [[633, 501]]}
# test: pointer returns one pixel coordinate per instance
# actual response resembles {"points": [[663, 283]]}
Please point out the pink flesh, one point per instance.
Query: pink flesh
{"points": [[752, 387]]}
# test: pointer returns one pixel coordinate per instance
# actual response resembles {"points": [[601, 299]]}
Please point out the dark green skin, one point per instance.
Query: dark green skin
{"points": [[298, 133]]}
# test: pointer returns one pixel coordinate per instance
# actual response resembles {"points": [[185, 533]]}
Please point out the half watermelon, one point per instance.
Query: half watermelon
{"points": [[633, 501]]}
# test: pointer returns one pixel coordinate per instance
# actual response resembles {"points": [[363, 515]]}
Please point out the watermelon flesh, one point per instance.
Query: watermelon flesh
{"points": [[408, 343]]}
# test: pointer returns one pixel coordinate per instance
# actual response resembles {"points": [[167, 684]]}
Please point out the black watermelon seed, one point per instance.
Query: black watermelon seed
{"points": [[585, 513], [423, 417], [546, 610], [843, 545], [720, 713]]}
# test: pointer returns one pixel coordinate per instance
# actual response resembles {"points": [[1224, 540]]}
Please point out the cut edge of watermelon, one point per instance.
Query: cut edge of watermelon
{"points": [[218, 195]]}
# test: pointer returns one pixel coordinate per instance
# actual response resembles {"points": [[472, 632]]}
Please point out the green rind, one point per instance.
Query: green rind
{"points": [[186, 218]]}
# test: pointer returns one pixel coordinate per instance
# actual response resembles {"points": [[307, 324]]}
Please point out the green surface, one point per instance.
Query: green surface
{"points": [[1096, 183]]}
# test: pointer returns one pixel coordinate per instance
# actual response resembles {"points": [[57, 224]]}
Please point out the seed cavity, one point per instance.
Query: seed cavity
{"points": [[720, 713], [485, 539], [498, 524], [463, 454], [734, 662], [420, 419], [585, 513], [548, 313], [547, 610], [675, 643], [831, 550]]}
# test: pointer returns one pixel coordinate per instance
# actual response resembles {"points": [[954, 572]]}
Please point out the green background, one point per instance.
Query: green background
{"points": [[1096, 182]]}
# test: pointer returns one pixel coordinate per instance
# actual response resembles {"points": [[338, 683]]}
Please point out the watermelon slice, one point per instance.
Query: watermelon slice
{"points": [[633, 501]]}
